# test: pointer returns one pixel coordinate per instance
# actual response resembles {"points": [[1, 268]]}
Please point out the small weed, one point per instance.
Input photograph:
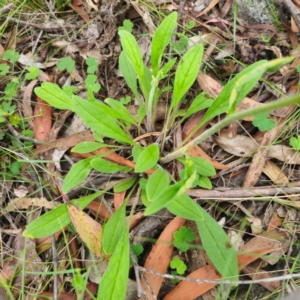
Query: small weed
{"points": [[182, 238]]}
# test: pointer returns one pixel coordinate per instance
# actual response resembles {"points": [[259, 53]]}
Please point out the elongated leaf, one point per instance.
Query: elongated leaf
{"points": [[99, 121], [218, 247], [183, 206], [105, 166], [114, 281], [88, 229], [87, 147], [147, 159], [133, 52], [169, 194], [113, 230], [204, 182], [214, 239], [199, 103], [145, 83], [247, 78], [77, 174], [167, 67], [251, 79], [56, 219], [163, 198], [157, 182], [186, 73], [128, 72], [161, 39], [119, 107], [54, 95], [124, 185], [202, 166]]}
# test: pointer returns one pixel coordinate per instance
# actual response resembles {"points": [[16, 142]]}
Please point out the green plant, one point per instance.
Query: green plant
{"points": [[179, 265], [295, 142], [182, 237], [111, 120], [262, 122]]}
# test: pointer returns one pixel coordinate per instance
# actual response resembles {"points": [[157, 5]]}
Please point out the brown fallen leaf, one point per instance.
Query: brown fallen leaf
{"points": [[244, 146], [259, 159], [160, 256], [77, 5], [119, 199], [42, 121], [275, 173], [187, 290], [67, 142], [88, 229]]}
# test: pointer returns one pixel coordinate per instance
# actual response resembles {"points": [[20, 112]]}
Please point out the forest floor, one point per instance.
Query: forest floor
{"points": [[119, 171]]}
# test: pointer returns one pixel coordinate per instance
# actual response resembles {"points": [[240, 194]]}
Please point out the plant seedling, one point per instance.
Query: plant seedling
{"points": [[183, 237]]}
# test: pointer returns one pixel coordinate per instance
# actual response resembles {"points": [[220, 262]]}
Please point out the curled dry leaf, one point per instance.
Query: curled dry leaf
{"points": [[160, 256], [25, 203], [244, 146], [88, 229]]}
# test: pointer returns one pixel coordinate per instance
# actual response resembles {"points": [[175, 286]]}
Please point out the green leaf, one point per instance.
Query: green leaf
{"points": [[218, 247], [127, 25], [54, 95], [186, 73], [204, 182], [90, 81], [113, 230], [295, 143], [166, 68], [147, 159], [169, 194], [66, 63], [238, 88], [77, 174], [124, 185], [56, 219], [262, 122], [11, 56], [128, 72], [125, 100], [185, 207], [161, 39], [3, 69], [113, 284], [179, 265], [104, 166], [98, 120], [202, 166], [92, 64], [163, 198], [199, 103], [142, 113], [136, 152], [33, 73], [145, 83], [157, 182], [118, 106], [133, 52], [87, 147], [182, 237], [190, 25]]}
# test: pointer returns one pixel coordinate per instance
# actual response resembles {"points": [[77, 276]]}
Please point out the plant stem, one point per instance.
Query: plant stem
{"points": [[229, 119]]}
